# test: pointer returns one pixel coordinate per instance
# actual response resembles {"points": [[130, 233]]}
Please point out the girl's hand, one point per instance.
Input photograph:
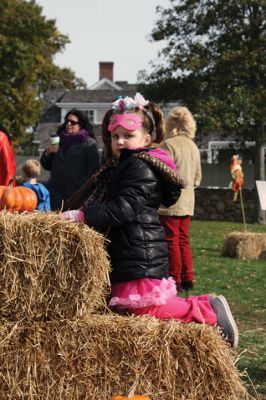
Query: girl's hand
{"points": [[73, 215]]}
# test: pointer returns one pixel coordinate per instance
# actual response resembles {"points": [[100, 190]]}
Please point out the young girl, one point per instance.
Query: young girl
{"points": [[126, 210]]}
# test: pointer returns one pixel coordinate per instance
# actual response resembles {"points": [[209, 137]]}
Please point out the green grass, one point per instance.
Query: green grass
{"points": [[242, 282]]}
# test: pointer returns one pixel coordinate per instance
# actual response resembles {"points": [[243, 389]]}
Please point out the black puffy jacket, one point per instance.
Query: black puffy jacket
{"points": [[129, 216]]}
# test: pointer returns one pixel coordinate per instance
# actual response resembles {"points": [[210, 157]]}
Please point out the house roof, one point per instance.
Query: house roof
{"points": [[51, 112], [105, 84], [52, 96], [95, 96], [127, 86]]}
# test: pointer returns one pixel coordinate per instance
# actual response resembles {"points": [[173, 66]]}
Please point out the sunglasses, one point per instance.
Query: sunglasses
{"points": [[71, 122]]}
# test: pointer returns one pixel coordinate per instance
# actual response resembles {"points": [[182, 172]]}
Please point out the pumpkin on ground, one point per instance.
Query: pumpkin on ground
{"points": [[135, 397], [17, 198]]}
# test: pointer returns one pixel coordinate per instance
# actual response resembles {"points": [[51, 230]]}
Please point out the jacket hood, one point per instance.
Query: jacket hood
{"points": [[163, 164], [159, 159], [163, 156]]}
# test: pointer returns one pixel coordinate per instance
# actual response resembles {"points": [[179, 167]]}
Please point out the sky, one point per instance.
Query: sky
{"points": [[105, 30]]}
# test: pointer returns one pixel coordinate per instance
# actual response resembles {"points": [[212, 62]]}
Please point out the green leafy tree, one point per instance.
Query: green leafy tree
{"points": [[213, 58], [28, 44]]}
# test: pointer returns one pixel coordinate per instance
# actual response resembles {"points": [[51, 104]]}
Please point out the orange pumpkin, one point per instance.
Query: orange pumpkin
{"points": [[135, 397], [17, 198]]}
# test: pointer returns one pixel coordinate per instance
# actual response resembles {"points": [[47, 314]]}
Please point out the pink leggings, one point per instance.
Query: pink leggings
{"points": [[192, 309]]}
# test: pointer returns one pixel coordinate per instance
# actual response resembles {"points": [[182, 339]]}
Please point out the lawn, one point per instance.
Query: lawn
{"points": [[242, 282]]}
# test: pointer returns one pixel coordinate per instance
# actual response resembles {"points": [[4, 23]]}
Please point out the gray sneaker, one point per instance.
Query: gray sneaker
{"points": [[225, 319]]}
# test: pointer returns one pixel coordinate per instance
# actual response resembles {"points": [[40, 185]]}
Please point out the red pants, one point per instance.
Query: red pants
{"points": [[179, 251]]}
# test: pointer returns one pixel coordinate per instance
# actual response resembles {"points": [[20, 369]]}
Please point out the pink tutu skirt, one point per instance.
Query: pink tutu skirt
{"points": [[143, 292]]}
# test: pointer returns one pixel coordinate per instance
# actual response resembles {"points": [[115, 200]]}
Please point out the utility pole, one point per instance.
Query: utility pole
{"points": [[261, 169]]}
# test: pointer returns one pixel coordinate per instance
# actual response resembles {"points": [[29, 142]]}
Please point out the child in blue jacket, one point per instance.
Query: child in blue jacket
{"points": [[31, 170]]}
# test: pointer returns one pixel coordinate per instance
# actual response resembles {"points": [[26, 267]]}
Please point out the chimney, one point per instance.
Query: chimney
{"points": [[106, 70]]}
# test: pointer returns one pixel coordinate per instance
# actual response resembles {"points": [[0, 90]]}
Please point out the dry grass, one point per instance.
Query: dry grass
{"points": [[49, 268], [245, 245], [105, 355]]}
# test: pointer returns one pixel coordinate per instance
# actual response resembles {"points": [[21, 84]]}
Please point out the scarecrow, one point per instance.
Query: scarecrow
{"points": [[237, 176]]}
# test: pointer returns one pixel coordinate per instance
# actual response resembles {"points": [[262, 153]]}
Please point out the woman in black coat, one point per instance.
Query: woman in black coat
{"points": [[73, 161]]}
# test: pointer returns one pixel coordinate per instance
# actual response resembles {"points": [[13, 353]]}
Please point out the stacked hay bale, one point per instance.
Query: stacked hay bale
{"points": [[49, 268], [104, 355], [54, 347], [245, 245]]}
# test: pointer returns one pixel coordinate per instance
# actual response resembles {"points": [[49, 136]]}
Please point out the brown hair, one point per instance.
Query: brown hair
{"points": [[32, 168], [106, 136], [152, 117]]}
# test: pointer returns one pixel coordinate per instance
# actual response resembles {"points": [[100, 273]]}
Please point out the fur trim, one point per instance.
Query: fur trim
{"points": [[161, 167]]}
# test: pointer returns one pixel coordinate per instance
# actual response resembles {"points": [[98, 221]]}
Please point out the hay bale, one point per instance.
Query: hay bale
{"points": [[245, 245], [49, 268], [106, 355]]}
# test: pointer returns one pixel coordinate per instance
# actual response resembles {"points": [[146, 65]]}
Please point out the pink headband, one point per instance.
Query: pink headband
{"points": [[130, 122]]}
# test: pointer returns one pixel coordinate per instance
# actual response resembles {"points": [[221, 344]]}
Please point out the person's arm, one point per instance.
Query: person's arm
{"points": [[198, 174], [92, 159], [135, 188], [46, 159], [7, 161]]}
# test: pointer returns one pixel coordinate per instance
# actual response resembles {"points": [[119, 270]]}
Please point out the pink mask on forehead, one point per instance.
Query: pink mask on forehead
{"points": [[130, 122]]}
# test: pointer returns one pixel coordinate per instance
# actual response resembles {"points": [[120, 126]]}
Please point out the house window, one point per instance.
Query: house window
{"points": [[90, 114]]}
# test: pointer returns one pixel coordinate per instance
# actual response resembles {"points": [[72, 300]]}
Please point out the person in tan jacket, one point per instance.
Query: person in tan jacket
{"points": [[180, 132]]}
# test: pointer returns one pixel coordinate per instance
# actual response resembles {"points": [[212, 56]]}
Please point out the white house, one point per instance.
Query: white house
{"points": [[95, 101]]}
